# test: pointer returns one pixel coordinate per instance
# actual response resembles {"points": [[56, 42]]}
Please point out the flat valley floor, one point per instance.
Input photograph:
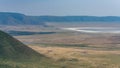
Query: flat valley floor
{"points": [[75, 49]]}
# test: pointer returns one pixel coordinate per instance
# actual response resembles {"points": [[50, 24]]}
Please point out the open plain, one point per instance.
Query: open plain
{"points": [[72, 49]]}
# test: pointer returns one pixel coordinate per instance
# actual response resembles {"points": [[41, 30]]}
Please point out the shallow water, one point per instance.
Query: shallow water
{"points": [[95, 29]]}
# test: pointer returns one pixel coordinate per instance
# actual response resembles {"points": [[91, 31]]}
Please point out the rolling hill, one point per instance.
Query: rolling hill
{"points": [[10, 48], [14, 54]]}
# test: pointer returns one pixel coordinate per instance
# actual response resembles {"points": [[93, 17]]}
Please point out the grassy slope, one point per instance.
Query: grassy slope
{"points": [[14, 54], [12, 48]]}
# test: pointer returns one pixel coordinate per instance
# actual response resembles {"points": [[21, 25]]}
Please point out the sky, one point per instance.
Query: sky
{"points": [[62, 7]]}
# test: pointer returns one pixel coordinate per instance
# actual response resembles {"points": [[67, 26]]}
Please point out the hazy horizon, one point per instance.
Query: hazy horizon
{"points": [[62, 7]]}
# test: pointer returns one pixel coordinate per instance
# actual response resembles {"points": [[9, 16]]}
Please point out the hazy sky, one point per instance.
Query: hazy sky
{"points": [[62, 7]]}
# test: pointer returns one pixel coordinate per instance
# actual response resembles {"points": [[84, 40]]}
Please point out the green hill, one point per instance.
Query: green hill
{"points": [[10, 48], [14, 54]]}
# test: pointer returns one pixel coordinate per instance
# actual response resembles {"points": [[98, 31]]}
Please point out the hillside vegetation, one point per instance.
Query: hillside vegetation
{"points": [[14, 54]]}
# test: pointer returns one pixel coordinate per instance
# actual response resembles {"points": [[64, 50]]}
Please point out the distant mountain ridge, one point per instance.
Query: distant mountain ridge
{"points": [[8, 18], [79, 19]]}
